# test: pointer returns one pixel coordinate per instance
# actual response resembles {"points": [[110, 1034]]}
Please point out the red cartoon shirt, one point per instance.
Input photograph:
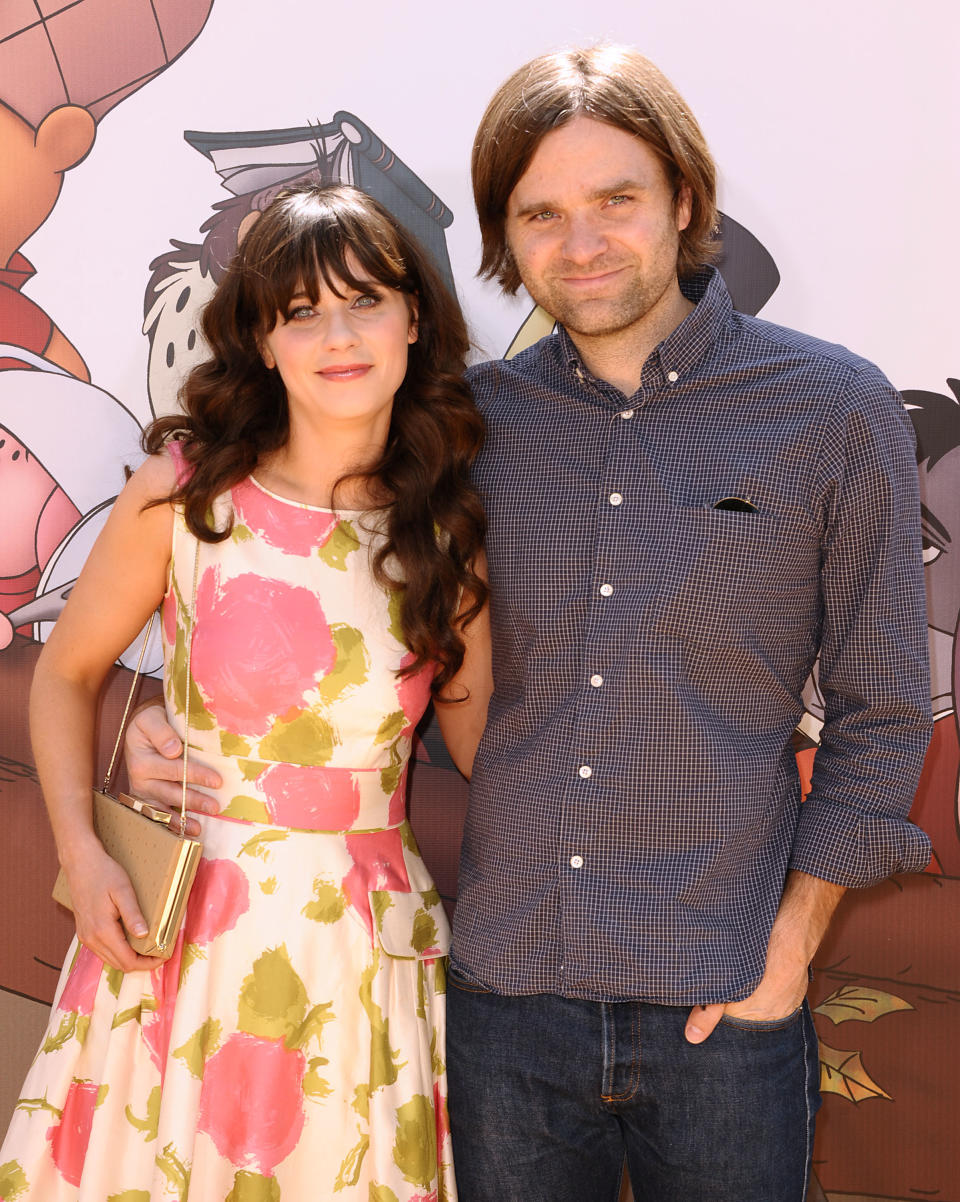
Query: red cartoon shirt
{"points": [[22, 322]]}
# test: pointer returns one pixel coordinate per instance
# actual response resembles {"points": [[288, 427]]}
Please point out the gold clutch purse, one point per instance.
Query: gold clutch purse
{"points": [[145, 840]]}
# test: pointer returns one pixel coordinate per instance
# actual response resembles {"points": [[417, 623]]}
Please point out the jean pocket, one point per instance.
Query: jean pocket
{"points": [[463, 981], [762, 1024]]}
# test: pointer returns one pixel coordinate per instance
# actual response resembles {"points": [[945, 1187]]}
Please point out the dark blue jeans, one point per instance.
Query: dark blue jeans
{"points": [[548, 1093]]}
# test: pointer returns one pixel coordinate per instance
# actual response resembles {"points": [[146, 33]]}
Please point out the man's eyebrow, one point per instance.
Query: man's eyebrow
{"points": [[611, 189]]}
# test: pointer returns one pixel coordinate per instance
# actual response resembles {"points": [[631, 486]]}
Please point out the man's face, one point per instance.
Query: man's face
{"points": [[594, 228]]}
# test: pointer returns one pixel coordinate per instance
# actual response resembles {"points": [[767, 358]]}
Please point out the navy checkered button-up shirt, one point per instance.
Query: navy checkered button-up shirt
{"points": [[635, 803]]}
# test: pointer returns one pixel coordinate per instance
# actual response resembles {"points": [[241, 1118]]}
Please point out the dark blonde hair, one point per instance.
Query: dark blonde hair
{"points": [[235, 408], [612, 84]]}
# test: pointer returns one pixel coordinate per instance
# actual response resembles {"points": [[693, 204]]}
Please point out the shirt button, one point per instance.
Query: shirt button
{"points": [[673, 376], [585, 771], [606, 590], [596, 680], [576, 861], [615, 498], [627, 414]]}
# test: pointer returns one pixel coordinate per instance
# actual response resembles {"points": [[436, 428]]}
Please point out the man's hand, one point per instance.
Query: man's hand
{"points": [[801, 922], [153, 754]]}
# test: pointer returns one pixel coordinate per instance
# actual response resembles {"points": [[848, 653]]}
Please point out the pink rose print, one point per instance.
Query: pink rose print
{"points": [[251, 1101], [156, 1024], [260, 645], [282, 524], [81, 986], [69, 1138], [377, 864], [413, 692], [220, 894], [320, 799]]}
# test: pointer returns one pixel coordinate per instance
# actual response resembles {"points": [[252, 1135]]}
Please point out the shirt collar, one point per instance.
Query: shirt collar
{"points": [[17, 271], [682, 349]]}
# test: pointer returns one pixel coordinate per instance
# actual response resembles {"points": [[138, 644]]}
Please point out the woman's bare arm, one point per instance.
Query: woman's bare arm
{"points": [[121, 583]]}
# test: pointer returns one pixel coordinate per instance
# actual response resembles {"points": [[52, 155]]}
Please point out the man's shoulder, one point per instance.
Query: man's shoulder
{"points": [[829, 360], [506, 379]]}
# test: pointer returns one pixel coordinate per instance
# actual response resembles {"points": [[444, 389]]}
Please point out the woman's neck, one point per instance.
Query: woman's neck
{"points": [[308, 466]]}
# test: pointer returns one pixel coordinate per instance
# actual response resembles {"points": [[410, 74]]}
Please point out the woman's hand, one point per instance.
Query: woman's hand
{"points": [[105, 907], [153, 754]]}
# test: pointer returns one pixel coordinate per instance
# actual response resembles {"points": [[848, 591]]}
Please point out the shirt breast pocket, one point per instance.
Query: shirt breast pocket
{"points": [[731, 577]]}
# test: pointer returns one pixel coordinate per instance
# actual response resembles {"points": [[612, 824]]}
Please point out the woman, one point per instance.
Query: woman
{"points": [[292, 1047]]}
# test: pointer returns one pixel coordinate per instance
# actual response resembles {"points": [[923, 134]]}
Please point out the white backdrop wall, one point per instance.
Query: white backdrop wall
{"points": [[835, 124]]}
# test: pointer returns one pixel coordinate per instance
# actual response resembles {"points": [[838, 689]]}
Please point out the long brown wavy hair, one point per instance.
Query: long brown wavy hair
{"points": [[235, 408]]}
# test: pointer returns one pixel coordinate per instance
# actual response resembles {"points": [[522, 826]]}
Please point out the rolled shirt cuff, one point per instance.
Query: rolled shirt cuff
{"points": [[849, 847]]}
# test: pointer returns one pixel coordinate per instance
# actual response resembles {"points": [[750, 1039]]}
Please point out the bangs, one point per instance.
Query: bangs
{"points": [[319, 245]]}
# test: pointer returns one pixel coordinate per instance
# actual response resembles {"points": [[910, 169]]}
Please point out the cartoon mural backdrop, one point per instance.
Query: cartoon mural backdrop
{"points": [[887, 986]]}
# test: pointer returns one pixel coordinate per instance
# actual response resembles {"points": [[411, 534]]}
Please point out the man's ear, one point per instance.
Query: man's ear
{"points": [[683, 206], [65, 136]]}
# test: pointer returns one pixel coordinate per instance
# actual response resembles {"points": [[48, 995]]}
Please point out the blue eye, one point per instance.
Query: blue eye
{"points": [[300, 313], [367, 300]]}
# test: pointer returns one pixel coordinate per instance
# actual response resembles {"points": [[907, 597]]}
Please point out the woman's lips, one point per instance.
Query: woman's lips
{"points": [[345, 371]]}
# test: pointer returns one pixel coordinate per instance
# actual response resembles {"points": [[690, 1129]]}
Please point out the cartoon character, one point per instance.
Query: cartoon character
{"points": [[53, 92], [936, 423], [253, 166]]}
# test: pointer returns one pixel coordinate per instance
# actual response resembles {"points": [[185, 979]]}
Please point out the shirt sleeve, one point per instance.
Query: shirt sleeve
{"points": [[853, 827]]}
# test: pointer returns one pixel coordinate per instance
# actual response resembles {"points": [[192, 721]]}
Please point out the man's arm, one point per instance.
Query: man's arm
{"points": [[853, 829], [802, 919]]}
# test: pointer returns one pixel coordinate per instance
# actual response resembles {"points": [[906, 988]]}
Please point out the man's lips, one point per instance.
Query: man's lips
{"points": [[593, 280], [345, 371]]}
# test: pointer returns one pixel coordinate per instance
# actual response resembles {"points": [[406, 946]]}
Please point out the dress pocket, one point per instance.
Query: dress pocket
{"points": [[410, 926]]}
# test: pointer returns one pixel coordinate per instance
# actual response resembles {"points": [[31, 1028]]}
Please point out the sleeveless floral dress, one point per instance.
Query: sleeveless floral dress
{"points": [[292, 1049]]}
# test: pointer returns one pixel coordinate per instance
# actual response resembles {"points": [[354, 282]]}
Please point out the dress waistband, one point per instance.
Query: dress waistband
{"points": [[306, 797]]}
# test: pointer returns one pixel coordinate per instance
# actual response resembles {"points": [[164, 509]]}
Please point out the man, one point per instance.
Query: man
{"points": [[685, 505]]}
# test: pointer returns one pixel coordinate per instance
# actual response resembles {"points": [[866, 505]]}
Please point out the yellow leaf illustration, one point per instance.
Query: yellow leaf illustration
{"points": [[860, 1003], [150, 1123], [338, 546], [268, 885], [351, 664], [842, 1072], [241, 533], [329, 904], [144, 1006], [175, 1171], [29, 1105], [257, 845], [197, 1049], [130, 1195], [273, 1001], [249, 809], [352, 1164], [381, 1193], [68, 1025], [312, 1026], [415, 1146], [231, 744], [315, 1086], [253, 1187], [306, 738], [391, 726], [13, 1181]]}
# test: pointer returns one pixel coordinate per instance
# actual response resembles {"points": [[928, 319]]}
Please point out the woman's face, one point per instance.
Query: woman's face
{"points": [[343, 358]]}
